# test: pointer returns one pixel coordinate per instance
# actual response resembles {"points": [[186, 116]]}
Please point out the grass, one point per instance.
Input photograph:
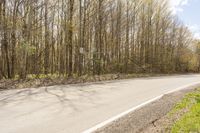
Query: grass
{"points": [[190, 121]]}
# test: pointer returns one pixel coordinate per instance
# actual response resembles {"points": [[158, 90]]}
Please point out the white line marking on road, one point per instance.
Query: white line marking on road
{"points": [[93, 129], [183, 87]]}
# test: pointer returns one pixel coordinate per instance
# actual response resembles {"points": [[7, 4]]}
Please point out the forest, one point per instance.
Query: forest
{"points": [[71, 38]]}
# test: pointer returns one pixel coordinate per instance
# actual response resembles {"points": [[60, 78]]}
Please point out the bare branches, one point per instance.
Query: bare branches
{"points": [[79, 37]]}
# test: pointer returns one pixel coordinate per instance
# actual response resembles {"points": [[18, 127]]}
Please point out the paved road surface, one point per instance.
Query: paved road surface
{"points": [[75, 108]]}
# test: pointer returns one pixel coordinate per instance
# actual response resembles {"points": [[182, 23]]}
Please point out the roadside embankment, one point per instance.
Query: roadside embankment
{"points": [[163, 115]]}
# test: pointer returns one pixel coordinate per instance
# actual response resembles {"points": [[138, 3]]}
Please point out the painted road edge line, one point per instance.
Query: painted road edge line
{"points": [[93, 129], [183, 87], [120, 115]]}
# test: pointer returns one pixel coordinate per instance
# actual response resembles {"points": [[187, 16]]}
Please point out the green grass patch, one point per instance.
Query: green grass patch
{"points": [[190, 121]]}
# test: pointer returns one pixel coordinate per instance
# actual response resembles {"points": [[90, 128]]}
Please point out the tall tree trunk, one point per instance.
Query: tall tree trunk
{"points": [[5, 39], [70, 37], [46, 56]]}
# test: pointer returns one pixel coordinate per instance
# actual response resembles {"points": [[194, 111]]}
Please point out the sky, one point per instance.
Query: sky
{"points": [[189, 13]]}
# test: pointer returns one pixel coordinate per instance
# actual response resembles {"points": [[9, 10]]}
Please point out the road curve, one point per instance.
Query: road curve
{"points": [[76, 108]]}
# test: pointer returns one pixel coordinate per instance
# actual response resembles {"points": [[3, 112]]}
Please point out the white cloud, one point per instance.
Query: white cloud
{"points": [[196, 30], [197, 35], [176, 5]]}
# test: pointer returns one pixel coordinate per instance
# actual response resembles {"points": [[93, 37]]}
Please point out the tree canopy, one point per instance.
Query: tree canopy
{"points": [[79, 37]]}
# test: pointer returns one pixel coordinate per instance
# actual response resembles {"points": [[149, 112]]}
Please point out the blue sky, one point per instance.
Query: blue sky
{"points": [[189, 12]]}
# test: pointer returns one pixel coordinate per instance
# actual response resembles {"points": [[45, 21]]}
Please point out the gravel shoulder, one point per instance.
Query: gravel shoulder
{"points": [[151, 118]]}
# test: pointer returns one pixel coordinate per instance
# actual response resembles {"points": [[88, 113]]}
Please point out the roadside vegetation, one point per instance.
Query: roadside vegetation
{"points": [[181, 116], [34, 81], [189, 121]]}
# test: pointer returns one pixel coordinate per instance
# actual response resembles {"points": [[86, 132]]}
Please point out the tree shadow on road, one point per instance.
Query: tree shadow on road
{"points": [[62, 96]]}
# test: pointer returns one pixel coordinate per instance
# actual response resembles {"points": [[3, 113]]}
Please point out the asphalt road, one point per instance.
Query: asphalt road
{"points": [[76, 108]]}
